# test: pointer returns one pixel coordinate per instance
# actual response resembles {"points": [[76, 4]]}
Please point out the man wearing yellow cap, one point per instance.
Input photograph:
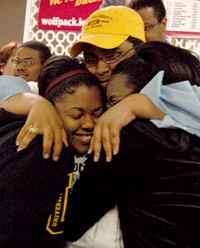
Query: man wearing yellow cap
{"points": [[109, 36]]}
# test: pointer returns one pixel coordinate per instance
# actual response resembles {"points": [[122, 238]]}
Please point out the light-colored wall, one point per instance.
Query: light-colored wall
{"points": [[12, 15]]}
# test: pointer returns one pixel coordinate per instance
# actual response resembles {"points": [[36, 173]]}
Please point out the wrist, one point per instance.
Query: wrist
{"points": [[132, 103]]}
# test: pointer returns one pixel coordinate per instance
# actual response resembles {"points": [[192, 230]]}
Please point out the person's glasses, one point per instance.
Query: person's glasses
{"points": [[25, 62], [92, 59]]}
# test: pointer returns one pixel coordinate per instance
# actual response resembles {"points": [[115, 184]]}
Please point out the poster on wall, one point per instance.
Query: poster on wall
{"points": [[58, 30], [183, 17], [65, 14], [183, 28]]}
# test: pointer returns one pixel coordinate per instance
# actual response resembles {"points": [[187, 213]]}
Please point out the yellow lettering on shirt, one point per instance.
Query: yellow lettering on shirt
{"points": [[56, 219]]}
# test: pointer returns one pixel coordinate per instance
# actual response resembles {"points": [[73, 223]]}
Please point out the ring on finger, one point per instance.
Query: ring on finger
{"points": [[33, 129]]}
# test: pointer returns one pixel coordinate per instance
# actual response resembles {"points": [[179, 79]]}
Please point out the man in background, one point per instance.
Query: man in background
{"points": [[153, 13], [109, 36]]}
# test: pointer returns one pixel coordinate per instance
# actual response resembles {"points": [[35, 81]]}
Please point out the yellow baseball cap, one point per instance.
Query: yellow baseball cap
{"points": [[109, 27]]}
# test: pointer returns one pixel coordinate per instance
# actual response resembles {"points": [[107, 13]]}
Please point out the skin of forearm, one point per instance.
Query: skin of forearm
{"points": [[21, 103], [142, 107]]}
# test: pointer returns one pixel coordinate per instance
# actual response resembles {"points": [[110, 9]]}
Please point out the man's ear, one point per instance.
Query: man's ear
{"points": [[164, 23]]}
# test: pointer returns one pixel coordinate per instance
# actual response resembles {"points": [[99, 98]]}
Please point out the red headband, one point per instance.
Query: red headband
{"points": [[66, 75]]}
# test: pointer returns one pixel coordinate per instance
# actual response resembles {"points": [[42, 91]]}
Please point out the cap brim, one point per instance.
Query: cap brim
{"points": [[105, 41]]}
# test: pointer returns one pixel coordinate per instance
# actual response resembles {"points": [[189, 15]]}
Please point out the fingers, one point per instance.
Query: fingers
{"points": [[21, 135], [96, 143], [90, 150], [47, 143], [24, 138], [105, 136], [52, 137], [108, 127], [64, 137], [115, 140], [110, 140], [43, 119], [58, 144], [107, 144]]}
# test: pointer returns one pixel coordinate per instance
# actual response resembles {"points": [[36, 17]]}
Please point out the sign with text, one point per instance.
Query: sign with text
{"points": [[65, 14], [183, 17]]}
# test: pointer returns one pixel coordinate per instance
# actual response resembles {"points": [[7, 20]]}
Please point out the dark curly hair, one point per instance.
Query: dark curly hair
{"points": [[56, 66], [179, 65]]}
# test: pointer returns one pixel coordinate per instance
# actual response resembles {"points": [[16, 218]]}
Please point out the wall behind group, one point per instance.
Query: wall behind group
{"points": [[12, 16]]}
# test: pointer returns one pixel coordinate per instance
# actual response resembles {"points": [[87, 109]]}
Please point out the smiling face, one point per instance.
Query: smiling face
{"points": [[26, 64], [79, 112]]}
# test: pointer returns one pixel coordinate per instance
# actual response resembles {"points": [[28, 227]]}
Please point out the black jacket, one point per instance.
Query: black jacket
{"points": [[154, 180], [32, 191]]}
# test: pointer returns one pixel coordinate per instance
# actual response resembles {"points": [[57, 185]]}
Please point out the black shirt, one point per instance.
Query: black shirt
{"points": [[33, 191], [154, 180]]}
